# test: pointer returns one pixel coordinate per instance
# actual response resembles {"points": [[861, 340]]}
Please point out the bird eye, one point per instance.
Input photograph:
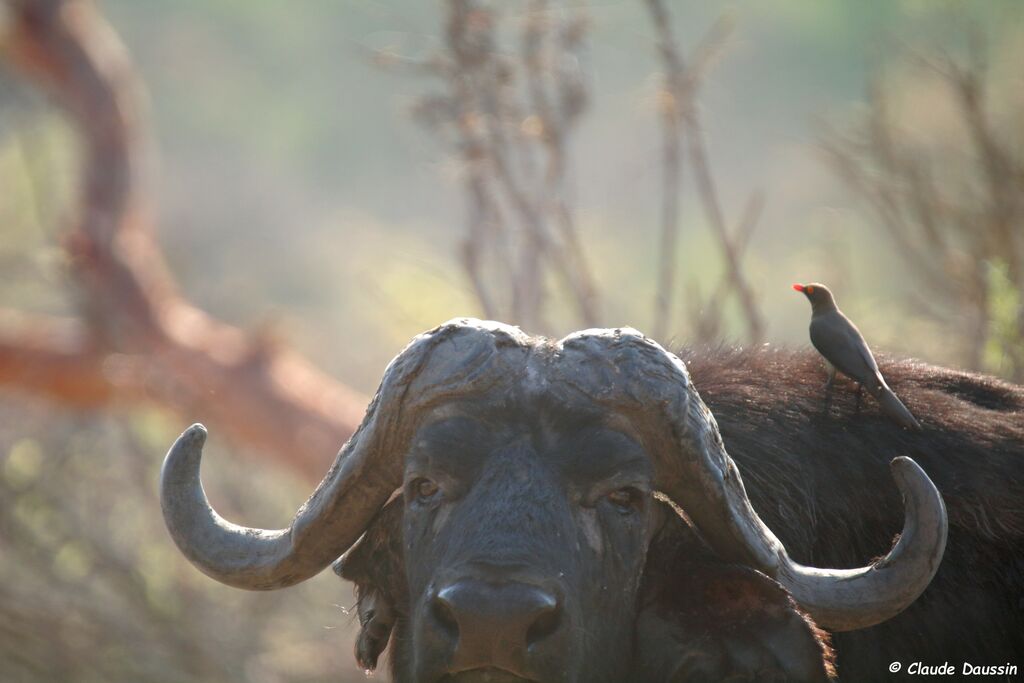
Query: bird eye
{"points": [[423, 490], [625, 500], [810, 289]]}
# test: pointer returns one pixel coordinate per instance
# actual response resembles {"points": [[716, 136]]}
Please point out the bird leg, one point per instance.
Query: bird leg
{"points": [[860, 389], [828, 385]]}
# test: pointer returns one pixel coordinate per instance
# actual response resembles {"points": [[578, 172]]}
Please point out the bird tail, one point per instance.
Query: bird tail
{"points": [[894, 408]]}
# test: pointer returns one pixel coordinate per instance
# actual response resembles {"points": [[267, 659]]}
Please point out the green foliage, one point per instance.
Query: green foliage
{"points": [[1004, 349], [92, 588], [36, 168]]}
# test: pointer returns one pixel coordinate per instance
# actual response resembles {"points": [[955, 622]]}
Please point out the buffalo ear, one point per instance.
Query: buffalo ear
{"points": [[728, 622], [375, 566], [701, 619], [376, 618]]}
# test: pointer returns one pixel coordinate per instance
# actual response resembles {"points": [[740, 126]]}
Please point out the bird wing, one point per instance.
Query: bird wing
{"points": [[869, 358], [841, 343]]}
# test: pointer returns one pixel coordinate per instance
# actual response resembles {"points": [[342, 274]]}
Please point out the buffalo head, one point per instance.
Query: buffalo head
{"points": [[536, 479]]}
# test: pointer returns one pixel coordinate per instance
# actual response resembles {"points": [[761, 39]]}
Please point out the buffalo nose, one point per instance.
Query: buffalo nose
{"points": [[495, 624]]}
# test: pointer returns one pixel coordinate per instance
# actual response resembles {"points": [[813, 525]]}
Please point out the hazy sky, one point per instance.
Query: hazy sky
{"points": [[301, 192]]}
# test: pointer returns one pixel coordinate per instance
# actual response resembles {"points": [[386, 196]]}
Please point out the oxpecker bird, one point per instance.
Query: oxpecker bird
{"points": [[844, 349]]}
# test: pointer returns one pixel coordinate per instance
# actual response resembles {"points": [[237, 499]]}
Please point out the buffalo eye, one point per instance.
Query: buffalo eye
{"points": [[625, 500], [424, 490]]}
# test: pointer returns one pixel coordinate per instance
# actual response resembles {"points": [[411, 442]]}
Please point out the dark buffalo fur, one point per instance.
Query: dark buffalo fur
{"points": [[702, 620], [699, 619], [822, 483]]}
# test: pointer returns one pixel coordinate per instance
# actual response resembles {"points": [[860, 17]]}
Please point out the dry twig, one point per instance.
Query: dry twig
{"points": [[680, 118], [511, 118], [953, 212]]}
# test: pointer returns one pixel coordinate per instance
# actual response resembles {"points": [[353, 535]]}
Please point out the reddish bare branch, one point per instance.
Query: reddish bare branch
{"points": [[138, 337], [52, 357]]}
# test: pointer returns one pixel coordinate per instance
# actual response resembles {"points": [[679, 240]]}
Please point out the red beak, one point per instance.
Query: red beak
{"points": [[798, 288]]}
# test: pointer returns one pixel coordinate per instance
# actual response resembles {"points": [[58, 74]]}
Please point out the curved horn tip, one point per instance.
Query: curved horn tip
{"points": [[197, 432], [906, 472], [919, 491], [187, 449], [911, 477], [901, 465]]}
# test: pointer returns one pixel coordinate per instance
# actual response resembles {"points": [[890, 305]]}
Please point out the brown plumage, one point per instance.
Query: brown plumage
{"points": [[839, 341]]}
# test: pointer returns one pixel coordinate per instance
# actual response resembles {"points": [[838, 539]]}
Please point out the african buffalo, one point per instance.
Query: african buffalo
{"points": [[568, 512]]}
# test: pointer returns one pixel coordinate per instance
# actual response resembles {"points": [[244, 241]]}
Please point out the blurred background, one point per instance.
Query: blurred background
{"points": [[239, 212]]}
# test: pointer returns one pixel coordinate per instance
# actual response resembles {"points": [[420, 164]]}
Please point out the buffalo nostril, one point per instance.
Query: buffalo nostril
{"points": [[546, 621], [444, 614], [494, 624]]}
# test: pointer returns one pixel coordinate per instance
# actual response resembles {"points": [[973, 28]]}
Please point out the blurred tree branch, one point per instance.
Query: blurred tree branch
{"points": [[53, 357], [137, 338], [510, 119], [681, 119], [953, 208]]}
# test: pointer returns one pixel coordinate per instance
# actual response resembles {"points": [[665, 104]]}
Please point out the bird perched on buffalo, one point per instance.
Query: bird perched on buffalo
{"points": [[841, 343]]}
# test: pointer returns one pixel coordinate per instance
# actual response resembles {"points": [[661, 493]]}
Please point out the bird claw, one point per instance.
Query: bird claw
{"points": [[828, 396]]}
